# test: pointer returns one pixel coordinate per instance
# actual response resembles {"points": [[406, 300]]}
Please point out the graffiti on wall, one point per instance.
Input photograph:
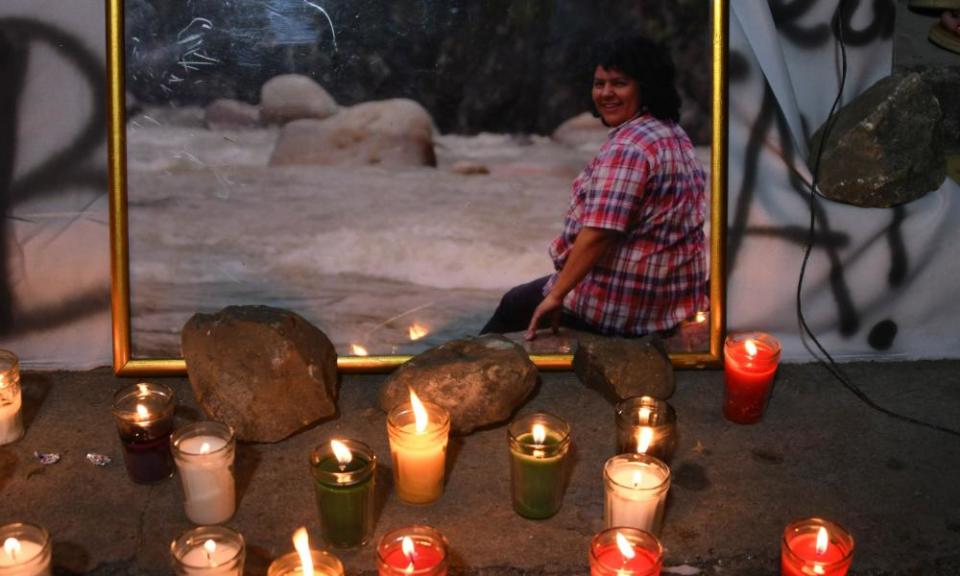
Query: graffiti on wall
{"points": [[69, 168], [788, 17]]}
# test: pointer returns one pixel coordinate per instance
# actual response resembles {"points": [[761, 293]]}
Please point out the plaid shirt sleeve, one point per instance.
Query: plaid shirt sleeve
{"points": [[615, 187]]}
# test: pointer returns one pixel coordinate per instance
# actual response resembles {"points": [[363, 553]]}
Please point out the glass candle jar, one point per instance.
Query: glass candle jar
{"points": [[636, 487], [324, 564], [144, 415], [11, 399], [815, 547], [25, 550], [646, 425], [208, 551], [416, 550], [204, 453], [625, 552], [418, 451], [344, 473], [538, 450], [750, 363]]}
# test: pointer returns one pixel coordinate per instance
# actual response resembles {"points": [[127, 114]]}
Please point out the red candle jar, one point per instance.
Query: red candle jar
{"points": [[815, 547], [625, 552], [750, 363], [416, 550]]}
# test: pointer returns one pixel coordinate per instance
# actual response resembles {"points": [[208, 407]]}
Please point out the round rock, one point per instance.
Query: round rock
{"points": [[480, 381], [291, 97]]}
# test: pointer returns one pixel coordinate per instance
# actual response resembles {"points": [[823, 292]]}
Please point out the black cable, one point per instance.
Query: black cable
{"points": [[829, 363]]}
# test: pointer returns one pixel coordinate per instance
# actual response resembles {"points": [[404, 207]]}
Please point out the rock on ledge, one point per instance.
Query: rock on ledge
{"points": [[480, 381], [267, 372], [624, 367]]}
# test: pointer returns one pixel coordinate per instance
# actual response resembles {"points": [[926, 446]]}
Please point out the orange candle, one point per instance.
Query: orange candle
{"points": [[750, 363], [815, 547]]}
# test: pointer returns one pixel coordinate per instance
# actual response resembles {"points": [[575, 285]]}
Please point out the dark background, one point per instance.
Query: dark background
{"points": [[476, 65]]}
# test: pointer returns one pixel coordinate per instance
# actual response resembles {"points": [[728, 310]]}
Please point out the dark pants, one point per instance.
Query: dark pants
{"points": [[517, 306]]}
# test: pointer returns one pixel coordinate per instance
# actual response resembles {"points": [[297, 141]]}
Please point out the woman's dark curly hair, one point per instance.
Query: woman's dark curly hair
{"points": [[648, 63]]}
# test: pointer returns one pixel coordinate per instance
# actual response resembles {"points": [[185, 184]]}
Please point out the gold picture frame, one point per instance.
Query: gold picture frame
{"points": [[124, 362]]}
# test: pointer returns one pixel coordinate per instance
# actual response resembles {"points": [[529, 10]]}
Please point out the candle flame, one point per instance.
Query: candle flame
{"points": [[142, 412], [643, 416], [12, 547], [301, 541], [419, 413], [409, 551], [210, 547], [701, 317], [342, 453], [205, 449], [644, 439], [417, 331], [637, 478], [539, 433], [822, 540], [751, 347], [625, 548], [359, 350], [818, 569], [143, 388]]}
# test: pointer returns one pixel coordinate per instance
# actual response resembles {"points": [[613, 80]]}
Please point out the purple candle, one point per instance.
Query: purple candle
{"points": [[144, 414]]}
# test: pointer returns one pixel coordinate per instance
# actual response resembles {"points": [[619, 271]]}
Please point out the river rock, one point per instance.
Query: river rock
{"points": [[291, 97], [267, 372], [885, 147], [584, 131], [395, 132], [229, 114], [623, 367], [480, 381]]}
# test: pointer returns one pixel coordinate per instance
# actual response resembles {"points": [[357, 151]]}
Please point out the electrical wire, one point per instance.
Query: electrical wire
{"points": [[829, 363]]}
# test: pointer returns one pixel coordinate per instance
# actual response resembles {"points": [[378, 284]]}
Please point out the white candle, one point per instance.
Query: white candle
{"points": [[204, 453], [20, 555], [211, 559], [636, 488], [11, 423], [208, 551]]}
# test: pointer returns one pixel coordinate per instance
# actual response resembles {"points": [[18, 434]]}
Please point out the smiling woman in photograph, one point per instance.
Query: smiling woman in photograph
{"points": [[630, 259]]}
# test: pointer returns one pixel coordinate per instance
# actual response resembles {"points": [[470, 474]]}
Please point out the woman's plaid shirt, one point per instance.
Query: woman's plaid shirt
{"points": [[647, 184]]}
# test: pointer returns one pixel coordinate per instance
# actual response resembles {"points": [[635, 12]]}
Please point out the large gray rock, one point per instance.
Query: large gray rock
{"points": [[584, 131], [480, 381], [886, 146], [395, 132], [229, 114], [291, 97], [267, 372], [623, 367]]}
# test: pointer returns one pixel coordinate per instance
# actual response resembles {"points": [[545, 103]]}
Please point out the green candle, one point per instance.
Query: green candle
{"points": [[538, 449], [343, 473]]}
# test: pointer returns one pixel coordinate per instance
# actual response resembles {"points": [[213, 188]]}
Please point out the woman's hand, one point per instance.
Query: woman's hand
{"points": [[551, 307]]}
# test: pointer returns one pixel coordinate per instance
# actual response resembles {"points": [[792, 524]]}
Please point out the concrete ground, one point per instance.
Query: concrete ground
{"points": [[819, 451]]}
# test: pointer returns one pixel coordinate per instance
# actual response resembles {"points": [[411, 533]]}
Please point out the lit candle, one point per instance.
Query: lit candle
{"points": [[815, 547], [625, 552], [208, 551], [11, 400], [646, 425], [636, 487], [204, 453], [25, 550], [418, 434], [144, 414], [305, 561], [750, 363], [419, 550], [343, 473], [538, 449]]}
